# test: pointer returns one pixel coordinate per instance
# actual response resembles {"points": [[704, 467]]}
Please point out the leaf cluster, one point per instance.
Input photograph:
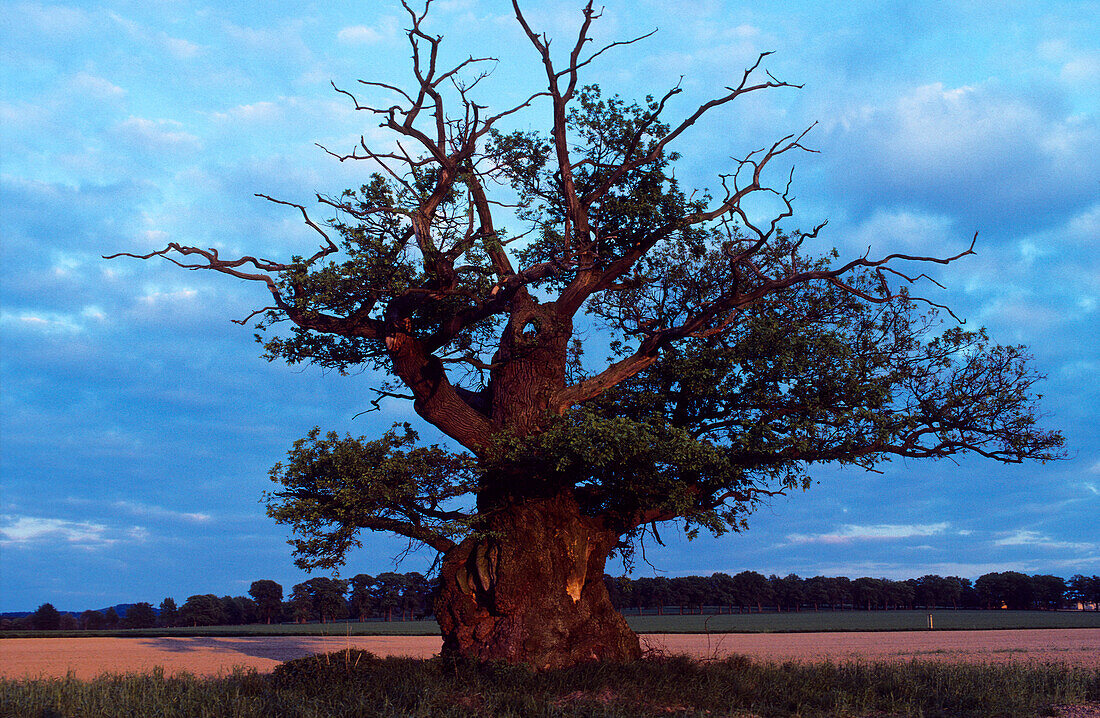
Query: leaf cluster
{"points": [[330, 487]]}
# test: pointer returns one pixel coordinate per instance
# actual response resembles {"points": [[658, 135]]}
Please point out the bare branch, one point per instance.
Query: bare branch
{"points": [[578, 65], [329, 247]]}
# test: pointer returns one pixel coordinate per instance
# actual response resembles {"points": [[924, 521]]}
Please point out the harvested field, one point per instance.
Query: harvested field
{"points": [[1078, 647], [90, 657]]}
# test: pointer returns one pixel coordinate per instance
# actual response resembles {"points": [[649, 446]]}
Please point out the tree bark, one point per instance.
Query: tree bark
{"points": [[529, 588]]}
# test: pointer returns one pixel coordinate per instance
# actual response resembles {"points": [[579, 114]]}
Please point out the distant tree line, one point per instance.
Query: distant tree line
{"points": [[48, 618], [406, 596], [750, 591], [387, 596]]}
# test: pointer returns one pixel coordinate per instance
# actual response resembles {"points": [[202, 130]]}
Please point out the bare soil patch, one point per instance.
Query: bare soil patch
{"points": [[90, 657]]}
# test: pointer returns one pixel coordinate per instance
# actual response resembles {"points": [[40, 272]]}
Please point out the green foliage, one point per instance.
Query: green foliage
{"points": [[46, 618], [91, 620], [268, 596], [110, 618], [320, 599], [627, 470], [169, 613], [381, 265], [608, 133], [140, 615], [332, 486], [816, 374], [202, 610]]}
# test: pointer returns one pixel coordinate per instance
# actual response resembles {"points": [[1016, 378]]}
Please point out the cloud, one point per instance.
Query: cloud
{"points": [[900, 572], [90, 86], [1078, 68], [360, 35], [26, 531], [881, 532], [285, 41], [264, 111], [56, 21], [905, 229], [1040, 283], [1085, 227], [1083, 69], [173, 297], [140, 509], [178, 48], [974, 151], [1034, 539], [156, 136], [22, 116], [51, 322]]}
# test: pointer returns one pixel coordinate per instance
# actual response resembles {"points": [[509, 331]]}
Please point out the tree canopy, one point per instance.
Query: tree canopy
{"points": [[590, 332], [268, 596], [46, 618]]}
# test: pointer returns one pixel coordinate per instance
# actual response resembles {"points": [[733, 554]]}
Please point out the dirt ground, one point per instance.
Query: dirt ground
{"points": [[90, 657]]}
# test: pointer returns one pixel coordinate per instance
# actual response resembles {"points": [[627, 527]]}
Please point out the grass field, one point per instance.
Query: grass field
{"points": [[804, 622], [357, 684], [814, 621]]}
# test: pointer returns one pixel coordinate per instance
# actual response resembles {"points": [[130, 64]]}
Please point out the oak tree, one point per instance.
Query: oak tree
{"points": [[202, 610], [91, 620], [606, 350], [268, 596], [46, 618], [168, 613], [320, 598], [140, 615], [110, 618]]}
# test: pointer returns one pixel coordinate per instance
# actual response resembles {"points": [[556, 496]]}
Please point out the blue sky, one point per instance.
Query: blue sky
{"points": [[137, 423]]}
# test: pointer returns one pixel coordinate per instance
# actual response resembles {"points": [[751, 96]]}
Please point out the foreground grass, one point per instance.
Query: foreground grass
{"points": [[805, 621], [355, 683]]}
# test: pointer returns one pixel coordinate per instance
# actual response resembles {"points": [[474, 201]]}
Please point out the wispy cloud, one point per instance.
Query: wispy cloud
{"points": [[1035, 539], [900, 572], [139, 509], [175, 46], [264, 111], [22, 531], [94, 87], [890, 228], [360, 35], [55, 20], [156, 135], [974, 151], [43, 321], [880, 532]]}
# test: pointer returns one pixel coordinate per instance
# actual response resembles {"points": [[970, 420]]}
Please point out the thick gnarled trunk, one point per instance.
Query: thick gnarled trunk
{"points": [[529, 588]]}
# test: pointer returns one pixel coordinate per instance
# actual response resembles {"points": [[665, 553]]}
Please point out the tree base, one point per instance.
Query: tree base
{"points": [[530, 589]]}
